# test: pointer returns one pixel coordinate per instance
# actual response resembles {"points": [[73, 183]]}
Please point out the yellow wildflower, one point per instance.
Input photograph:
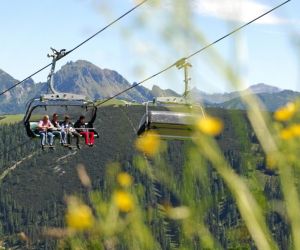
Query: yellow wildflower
{"points": [[285, 113], [295, 128], [286, 134], [148, 144], [124, 201], [124, 179], [79, 216], [271, 161], [210, 125]]}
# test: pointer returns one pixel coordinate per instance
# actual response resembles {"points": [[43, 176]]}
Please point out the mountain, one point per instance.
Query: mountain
{"points": [[82, 77], [14, 101], [158, 92], [263, 88]]}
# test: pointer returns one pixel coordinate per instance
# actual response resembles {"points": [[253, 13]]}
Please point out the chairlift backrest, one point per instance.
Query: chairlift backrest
{"points": [[174, 122], [74, 109]]}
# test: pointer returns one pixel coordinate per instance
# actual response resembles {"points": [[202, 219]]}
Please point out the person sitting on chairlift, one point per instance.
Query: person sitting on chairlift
{"points": [[85, 130], [44, 128], [69, 130], [57, 130]]}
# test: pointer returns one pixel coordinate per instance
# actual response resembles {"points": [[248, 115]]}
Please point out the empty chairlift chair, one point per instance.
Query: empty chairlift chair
{"points": [[171, 117]]}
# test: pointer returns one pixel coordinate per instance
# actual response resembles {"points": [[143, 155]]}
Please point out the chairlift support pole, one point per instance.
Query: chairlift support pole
{"points": [[185, 98], [183, 64]]}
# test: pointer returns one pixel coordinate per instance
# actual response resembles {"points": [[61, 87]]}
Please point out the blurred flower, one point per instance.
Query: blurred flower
{"points": [[285, 113], [23, 236], [57, 232], [79, 216], [148, 144], [271, 161], [124, 201], [295, 129], [178, 213], [83, 176], [210, 125], [290, 132], [124, 179], [286, 134]]}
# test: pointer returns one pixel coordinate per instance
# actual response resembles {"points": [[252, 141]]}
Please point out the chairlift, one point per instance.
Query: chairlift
{"points": [[171, 117], [62, 104]]}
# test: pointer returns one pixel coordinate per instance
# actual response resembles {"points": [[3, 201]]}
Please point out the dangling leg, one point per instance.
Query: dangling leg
{"points": [[85, 134], [62, 137], [43, 138], [92, 138], [69, 138], [77, 135], [50, 137]]}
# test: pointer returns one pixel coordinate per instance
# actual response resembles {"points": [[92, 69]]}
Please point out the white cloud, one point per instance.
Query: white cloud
{"points": [[237, 10]]}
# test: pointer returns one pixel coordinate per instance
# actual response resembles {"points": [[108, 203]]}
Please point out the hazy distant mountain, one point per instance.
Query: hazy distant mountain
{"points": [[263, 88], [272, 97], [216, 98], [270, 101]]}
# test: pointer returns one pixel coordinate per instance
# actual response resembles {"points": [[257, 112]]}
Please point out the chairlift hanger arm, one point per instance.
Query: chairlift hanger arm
{"points": [[57, 54], [55, 57], [54, 94]]}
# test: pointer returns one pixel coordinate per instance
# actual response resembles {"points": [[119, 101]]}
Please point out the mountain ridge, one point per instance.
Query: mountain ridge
{"points": [[83, 77]]}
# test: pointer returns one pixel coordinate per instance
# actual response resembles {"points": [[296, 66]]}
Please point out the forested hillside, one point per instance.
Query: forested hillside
{"points": [[34, 183]]}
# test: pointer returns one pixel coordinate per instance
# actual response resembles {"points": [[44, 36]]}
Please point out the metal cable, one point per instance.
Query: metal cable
{"points": [[76, 47], [195, 53]]}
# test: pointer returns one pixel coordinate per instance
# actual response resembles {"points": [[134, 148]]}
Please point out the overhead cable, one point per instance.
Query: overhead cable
{"points": [[194, 53], [76, 47]]}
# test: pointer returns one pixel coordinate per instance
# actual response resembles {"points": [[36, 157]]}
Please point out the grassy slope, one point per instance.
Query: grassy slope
{"points": [[10, 119]]}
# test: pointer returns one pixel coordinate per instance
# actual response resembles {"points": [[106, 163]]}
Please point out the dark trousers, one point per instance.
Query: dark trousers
{"points": [[70, 135]]}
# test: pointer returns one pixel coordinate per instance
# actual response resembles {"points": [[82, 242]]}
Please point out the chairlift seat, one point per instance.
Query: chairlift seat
{"points": [[168, 124], [37, 108], [33, 128]]}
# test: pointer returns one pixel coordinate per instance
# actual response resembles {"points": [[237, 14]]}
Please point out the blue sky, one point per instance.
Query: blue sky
{"points": [[154, 36]]}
